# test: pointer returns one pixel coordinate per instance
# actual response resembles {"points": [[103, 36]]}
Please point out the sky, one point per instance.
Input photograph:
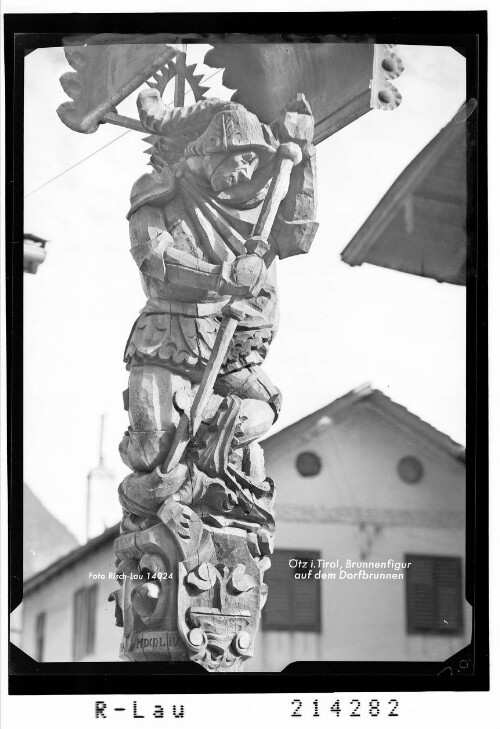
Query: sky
{"points": [[340, 326]]}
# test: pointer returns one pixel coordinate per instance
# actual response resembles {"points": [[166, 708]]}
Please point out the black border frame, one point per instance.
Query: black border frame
{"points": [[466, 31]]}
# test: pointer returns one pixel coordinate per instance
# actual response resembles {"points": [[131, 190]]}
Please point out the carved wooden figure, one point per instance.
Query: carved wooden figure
{"points": [[227, 196]]}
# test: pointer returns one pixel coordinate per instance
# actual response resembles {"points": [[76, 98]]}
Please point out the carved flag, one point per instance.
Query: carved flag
{"points": [[104, 74], [340, 80]]}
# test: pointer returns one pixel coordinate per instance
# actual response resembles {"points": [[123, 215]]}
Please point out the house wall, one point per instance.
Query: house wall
{"points": [[56, 598], [361, 620], [358, 488], [359, 454]]}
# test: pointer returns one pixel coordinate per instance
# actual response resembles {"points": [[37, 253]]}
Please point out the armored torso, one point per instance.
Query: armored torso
{"points": [[178, 325]]}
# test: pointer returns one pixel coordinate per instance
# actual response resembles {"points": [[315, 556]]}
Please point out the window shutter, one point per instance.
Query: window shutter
{"points": [[278, 608], [306, 605], [292, 605], [449, 595], [84, 622], [420, 600], [91, 619], [434, 595], [40, 636], [78, 624]]}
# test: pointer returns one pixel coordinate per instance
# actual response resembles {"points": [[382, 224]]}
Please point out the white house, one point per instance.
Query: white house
{"points": [[364, 487]]}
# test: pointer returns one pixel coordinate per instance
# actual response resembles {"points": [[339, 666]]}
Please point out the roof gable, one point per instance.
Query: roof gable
{"points": [[338, 409], [419, 226], [45, 538]]}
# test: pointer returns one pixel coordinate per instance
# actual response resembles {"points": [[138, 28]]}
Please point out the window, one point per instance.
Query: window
{"points": [[434, 599], [39, 636], [308, 464], [84, 614], [292, 604], [410, 470]]}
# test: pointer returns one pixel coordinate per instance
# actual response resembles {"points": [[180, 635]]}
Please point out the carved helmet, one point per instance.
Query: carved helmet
{"points": [[233, 130]]}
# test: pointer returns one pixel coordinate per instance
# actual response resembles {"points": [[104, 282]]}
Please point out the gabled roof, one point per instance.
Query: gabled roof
{"points": [[419, 226], [69, 559], [365, 393], [320, 418], [45, 538]]}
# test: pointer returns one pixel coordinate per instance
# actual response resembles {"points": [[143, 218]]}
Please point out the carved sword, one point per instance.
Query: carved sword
{"points": [[236, 309]]}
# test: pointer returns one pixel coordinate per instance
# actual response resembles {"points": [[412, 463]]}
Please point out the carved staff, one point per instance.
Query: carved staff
{"points": [[289, 155]]}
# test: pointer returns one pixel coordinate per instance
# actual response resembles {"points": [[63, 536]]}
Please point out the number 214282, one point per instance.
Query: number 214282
{"points": [[354, 708]]}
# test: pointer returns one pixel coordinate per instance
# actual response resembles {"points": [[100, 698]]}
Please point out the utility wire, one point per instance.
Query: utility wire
{"points": [[100, 149], [77, 163]]}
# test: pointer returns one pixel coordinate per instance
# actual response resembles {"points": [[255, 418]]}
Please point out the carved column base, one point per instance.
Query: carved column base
{"points": [[190, 591]]}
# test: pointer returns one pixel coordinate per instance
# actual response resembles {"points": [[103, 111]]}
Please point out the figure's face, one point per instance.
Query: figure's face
{"points": [[234, 168]]}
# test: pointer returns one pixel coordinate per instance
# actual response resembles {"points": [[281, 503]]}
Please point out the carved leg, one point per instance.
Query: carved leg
{"points": [[147, 553], [153, 415], [251, 406], [252, 383]]}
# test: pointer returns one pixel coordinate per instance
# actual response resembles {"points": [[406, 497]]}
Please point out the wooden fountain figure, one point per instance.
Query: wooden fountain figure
{"points": [[226, 197]]}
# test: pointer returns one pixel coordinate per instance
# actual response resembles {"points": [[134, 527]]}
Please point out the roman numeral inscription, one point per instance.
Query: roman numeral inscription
{"points": [[152, 641]]}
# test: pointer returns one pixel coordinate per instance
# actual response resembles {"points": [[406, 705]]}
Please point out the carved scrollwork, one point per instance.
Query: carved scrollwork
{"points": [[203, 577]]}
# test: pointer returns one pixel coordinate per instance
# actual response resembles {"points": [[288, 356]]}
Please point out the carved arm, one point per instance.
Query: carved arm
{"points": [[156, 257], [245, 276]]}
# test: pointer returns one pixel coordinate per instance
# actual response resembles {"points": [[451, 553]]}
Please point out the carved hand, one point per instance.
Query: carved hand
{"points": [[291, 150], [295, 122], [151, 108], [308, 152], [247, 276]]}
